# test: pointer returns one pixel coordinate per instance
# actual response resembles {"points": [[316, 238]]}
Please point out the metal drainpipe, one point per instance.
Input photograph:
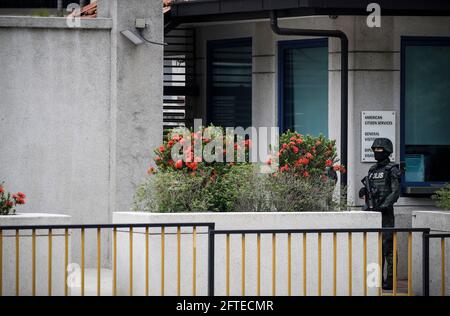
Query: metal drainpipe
{"points": [[344, 75]]}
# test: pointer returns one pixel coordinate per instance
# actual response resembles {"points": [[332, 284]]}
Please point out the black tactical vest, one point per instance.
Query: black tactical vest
{"points": [[380, 178]]}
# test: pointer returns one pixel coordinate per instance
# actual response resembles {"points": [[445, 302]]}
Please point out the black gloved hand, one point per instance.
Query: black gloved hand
{"points": [[362, 193]]}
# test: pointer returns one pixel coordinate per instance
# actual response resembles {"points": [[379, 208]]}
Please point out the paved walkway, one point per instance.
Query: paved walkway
{"points": [[402, 288], [90, 288], [106, 284]]}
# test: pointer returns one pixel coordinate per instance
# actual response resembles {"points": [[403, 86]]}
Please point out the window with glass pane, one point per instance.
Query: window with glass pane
{"points": [[426, 109], [230, 83], [304, 86]]}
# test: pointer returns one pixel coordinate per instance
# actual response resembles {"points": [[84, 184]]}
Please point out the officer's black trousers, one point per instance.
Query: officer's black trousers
{"points": [[388, 244]]}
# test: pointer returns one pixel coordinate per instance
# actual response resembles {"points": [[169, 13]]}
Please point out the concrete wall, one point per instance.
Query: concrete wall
{"points": [[374, 74], [404, 218], [304, 220], [80, 111], [25, 255], [439, 223], [55, 117]]}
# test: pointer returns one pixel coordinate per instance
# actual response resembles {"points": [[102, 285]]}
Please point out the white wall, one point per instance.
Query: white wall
{"points": [[55, 118], [439, 223], [25, 262], [80, 111], [54, 112], [303, 220]]}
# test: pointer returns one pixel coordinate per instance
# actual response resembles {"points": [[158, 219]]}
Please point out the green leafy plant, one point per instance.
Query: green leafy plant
{"points": [[293, 193], [305, 180], [442, 197], [182, 191], [8, 201]]}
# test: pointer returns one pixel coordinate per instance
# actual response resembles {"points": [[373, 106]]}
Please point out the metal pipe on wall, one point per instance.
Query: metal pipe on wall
{"points": [[344, 76]]}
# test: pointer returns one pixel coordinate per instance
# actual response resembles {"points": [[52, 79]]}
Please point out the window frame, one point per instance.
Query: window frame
{"points": [[222, 43], [413, 41], [289, 44]]}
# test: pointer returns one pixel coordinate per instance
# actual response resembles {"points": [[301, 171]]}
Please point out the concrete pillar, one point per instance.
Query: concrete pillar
{"points": [[136, 97]]}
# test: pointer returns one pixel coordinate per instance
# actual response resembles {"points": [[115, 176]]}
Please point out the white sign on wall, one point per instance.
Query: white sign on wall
{"points": [[375, 124]]}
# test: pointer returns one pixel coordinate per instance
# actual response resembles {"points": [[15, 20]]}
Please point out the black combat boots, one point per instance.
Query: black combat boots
{"points": [[387, 284]]}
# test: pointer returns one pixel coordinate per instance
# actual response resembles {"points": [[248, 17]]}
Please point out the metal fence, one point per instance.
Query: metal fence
{"points": [[65, 231], [320, 233], [301, 236], [426, 263]]}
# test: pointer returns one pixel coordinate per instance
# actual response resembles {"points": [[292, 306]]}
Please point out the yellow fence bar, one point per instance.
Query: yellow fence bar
{"points": [[289, 265], [274, 264], [380, 263], [178, 260], [82, 261], [334, 263], [131, 261], [163, 240], [114, 287], [194, 261], [50, 235], [33, 264], [99, 264], [304, 264], [365, 263], [319, 264], [258, 272], [228, 264], [1, 262], [350, 276], [443, 266], [17, 263], [243, 265], [66, 260], [409, 263], [146, 263], [394, 286]]}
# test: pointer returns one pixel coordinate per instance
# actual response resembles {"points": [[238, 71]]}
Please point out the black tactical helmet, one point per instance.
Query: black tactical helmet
{"points": [[384, 143]]}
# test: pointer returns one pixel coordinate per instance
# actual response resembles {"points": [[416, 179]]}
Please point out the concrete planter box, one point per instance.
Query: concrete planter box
{"points": [[439, 223], [404, 219], [25, 254], [306, 220]]}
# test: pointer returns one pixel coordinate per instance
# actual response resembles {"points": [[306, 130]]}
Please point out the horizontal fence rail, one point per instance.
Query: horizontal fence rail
{"points": [[12, 239], [303, 236]]}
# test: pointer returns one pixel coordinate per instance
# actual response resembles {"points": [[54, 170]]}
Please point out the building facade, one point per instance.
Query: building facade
{"points": [[248, 75]]}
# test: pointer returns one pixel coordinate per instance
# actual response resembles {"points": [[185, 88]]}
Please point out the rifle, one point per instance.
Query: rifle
{"points": [[369, 196]]}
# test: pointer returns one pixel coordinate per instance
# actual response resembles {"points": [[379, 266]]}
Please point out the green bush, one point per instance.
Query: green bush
{"points": [[305, 180], [239, 190], [174, 191], [442, 197], [290, 193]]}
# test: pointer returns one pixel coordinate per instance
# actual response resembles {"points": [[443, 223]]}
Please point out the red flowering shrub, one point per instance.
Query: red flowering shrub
{"points": [[184, 181], [308, 156], [9, 201], [189, 161], [305, 179]]}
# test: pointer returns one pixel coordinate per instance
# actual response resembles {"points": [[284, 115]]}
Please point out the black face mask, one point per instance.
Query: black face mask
{"points": [[381, 155]]}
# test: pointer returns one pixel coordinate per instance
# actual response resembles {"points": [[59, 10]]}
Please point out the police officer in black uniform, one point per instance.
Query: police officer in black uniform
{"points": [[384, 183]]}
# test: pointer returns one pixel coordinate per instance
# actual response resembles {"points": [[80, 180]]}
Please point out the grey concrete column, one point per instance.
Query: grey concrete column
{"points": [[136, 97]]}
